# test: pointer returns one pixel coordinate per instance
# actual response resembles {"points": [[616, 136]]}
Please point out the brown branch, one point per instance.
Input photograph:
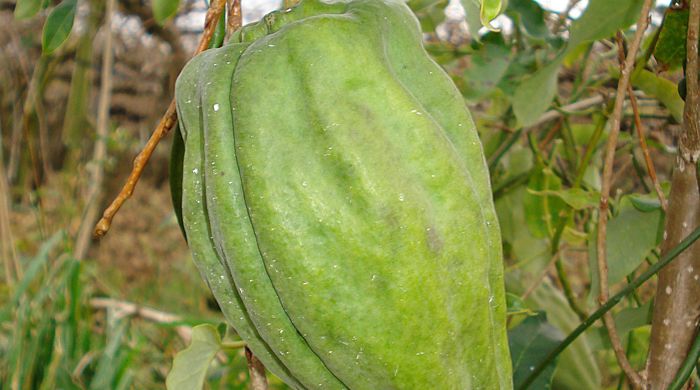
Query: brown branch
{"points": [[676, 306], [258, 380], [166, 123], [625, 74], [690, 138], [234, 21], [82, 241]]}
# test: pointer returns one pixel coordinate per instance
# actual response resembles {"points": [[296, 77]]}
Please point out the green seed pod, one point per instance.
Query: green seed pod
{"points": [[336, 199]]}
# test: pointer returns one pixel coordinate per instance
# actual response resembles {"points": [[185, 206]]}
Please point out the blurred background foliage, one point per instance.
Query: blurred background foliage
{"points": [[540, 88]]}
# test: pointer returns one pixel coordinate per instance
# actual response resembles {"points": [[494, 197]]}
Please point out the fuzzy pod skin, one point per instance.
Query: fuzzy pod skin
{"points": [[336, 200]]}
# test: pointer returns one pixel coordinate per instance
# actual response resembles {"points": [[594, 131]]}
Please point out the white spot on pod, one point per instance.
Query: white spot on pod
{"points": [[669, 290], [216, 107], [667, 321]]}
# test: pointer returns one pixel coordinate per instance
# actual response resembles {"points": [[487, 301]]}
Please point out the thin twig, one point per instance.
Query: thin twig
{"points": [[540, 278], [564, 15], [166, 123], [125, 309], [258, 380], [234, 21], [577, 106], [645, 150], [640, 130], [99, 154], [625, 73]]}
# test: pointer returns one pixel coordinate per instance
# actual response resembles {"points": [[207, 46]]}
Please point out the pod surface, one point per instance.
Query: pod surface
{"points": [[336, 200]]}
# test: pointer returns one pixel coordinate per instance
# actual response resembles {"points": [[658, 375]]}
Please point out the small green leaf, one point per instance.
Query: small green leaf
{"points": [[530, 342], [602, 19], [490, 9], [663, 89], [542, 212], [191, 364], [472, 9], [535, 94], [632, 317], [58, 25], [430, 13], [670, 48], [487, 67], [163, 9], [577, 198], [25, 9], [645, 203], [531, 17], [632, 234]]}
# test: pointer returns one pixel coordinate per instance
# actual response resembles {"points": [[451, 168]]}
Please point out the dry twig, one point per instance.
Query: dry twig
{"points": [[166, 123], [625, 73], [234, 21], [125, 309], [645, 150], [638, 126]]}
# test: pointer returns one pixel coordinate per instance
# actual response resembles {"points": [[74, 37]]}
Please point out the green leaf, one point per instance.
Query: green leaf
{"points": [[25, 9], [430, 13], [662, 89], [535, 94], [490, 9], [58, 25], [191, 364], [577, 198], [530, 342], [487, 67], [670, 49], [632, 234], [632, 317], [531, 17], [217, 39], [645, 202], [163, 9], [542, 212], [602, 19], [577, 367], [472, 9]]}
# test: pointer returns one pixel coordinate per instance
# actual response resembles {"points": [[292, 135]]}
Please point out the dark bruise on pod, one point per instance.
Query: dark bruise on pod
{"points": [[336, 200]]}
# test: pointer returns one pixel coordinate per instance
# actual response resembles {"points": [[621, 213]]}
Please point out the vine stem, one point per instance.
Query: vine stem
{"points": [[625, 73], [167, 122], [609, 304]]}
